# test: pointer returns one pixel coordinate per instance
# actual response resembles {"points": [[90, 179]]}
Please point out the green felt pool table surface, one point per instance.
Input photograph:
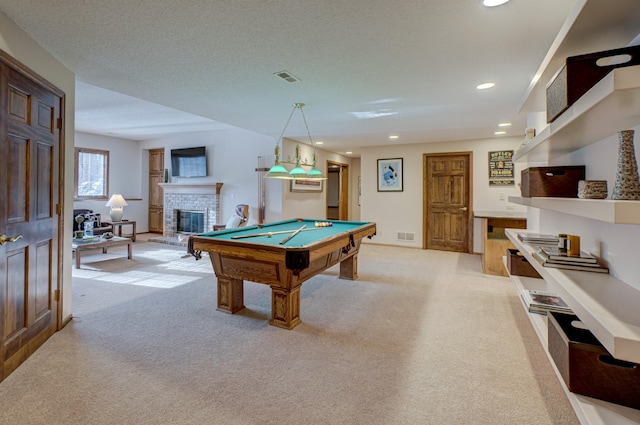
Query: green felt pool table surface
{"points": [[304, 238]]}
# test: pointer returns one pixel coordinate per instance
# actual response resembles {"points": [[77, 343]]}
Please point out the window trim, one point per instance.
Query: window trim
{"points": [[105, 173]]}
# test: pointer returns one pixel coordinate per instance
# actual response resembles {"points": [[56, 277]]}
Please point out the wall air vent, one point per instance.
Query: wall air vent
{"points": [[287, 76], [406, 236]]}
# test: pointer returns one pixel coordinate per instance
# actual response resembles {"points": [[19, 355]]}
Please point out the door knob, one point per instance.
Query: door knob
{"points": [[463, 208], [4, 239]]}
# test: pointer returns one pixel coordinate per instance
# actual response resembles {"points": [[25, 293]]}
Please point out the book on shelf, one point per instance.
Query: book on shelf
{"points": [[554, 253], [543, 302], [538, 238], [559, 264]]}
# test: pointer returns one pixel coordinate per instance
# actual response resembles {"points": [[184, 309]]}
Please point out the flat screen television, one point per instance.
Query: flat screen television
{"points": [[189, 162]]}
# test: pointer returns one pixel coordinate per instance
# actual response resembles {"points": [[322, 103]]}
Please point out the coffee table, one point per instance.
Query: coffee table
{"points": [[80, 245]]}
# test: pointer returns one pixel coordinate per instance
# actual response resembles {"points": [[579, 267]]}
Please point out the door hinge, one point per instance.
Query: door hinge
{"points": [[59, 123], [56, 295], [59, 209]]}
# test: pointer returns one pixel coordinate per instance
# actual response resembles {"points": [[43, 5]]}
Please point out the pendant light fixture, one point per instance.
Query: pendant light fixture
{"points": [[278, 171]]}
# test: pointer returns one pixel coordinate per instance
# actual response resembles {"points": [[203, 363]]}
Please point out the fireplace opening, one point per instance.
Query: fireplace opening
{"points": [[190, 221]]}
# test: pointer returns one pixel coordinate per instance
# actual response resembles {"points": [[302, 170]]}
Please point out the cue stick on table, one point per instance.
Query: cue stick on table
{"points": [[285, 240], [255, 235]]}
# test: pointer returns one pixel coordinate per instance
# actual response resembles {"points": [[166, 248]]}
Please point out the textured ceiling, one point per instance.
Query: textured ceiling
{"points": [[367, 68]]}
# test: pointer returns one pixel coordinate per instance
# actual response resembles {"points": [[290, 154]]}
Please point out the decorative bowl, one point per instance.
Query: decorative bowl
{"points": [[107, 235], [592, 189]]}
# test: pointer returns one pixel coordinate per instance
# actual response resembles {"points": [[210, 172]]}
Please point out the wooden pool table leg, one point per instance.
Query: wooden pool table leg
{"points": [[285, 307], [230, 295], [349, 268]]}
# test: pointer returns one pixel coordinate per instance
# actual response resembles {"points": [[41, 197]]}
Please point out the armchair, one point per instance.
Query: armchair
{"points": [[98, 226], [239, 219]]}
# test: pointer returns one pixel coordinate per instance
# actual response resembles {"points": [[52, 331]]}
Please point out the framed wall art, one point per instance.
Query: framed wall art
{"points": [[390, 175], [501, 165], [306, 185]]}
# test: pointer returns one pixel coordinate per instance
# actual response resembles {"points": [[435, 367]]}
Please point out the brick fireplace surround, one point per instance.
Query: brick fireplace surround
{"points": [[204, 197]]}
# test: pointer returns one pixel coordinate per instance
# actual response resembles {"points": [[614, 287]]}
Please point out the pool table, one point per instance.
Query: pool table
{"points": [[269, 254]]}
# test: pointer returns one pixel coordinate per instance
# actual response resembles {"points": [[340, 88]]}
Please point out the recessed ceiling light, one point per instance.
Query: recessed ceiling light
{"points": [[485, 86], [504, 124], [393, 137], [499, 133], [319, 143], [349, 152], [492, 3]]}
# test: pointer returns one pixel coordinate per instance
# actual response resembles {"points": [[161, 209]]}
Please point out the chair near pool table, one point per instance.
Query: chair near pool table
{"points": [[238, 220]]}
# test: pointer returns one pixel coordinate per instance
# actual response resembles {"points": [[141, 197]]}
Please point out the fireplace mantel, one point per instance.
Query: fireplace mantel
{"points": [[192, 187]]}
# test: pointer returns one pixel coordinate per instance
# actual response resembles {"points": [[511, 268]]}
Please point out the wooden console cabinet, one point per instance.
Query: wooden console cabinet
{"points": [[495, 241]]}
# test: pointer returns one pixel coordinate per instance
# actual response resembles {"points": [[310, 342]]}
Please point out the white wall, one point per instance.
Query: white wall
{"points": [[126, 171], [18, 44], [395, 212], [308, 204], [232, 158]]}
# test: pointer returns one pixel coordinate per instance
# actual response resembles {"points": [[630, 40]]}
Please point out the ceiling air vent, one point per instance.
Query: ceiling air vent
{"points": [[287, 76]]}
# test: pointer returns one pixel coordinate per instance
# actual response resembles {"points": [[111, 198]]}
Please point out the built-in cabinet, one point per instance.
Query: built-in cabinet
{"points": [[156, 196], [494, 239], [607, 305]]}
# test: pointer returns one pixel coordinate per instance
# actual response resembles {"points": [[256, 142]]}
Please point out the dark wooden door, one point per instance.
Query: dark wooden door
{"points": [[447, 198], [30, 117], [156, 195]]}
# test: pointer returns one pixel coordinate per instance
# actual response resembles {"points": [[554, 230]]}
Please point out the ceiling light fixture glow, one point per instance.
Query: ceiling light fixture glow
{"points": [[349, 152], [500, 133], [393, 137], [493, 3], [373, 114], [485, 86], [504, 124]]}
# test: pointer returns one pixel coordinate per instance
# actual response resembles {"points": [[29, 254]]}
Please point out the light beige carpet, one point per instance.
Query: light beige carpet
{"points": [[422, 337]]}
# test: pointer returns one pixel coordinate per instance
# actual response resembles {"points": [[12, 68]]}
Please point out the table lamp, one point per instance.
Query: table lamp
{"points": [[116, 203]]}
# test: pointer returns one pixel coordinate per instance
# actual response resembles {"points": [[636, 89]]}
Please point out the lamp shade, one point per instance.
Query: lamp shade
{"points": [[315, 174], [117, 200]]}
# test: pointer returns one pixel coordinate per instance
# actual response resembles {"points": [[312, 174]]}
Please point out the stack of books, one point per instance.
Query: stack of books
{"points": [[553, 257], [542, 302], [538, 238]]}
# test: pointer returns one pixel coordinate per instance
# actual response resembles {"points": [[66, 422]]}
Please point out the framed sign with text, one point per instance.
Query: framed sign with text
{"points": [[501, 165]]}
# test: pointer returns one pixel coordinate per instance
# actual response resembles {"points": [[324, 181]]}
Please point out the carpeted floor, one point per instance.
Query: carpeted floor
{"points": [[422, 337]]}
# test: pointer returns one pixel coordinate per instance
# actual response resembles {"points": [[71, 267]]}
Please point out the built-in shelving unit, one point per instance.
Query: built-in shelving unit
{"points": [[588, 410], [610, 211], [613, 104], [607, 305]]}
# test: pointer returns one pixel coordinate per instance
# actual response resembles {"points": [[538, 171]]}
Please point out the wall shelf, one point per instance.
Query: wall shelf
{"points": [[591, 26], [610, 211], [608, 306], [588, 410], [613, 104]]}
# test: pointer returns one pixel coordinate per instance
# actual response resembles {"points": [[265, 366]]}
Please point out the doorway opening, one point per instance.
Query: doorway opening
{"points": [[337, 191]]}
